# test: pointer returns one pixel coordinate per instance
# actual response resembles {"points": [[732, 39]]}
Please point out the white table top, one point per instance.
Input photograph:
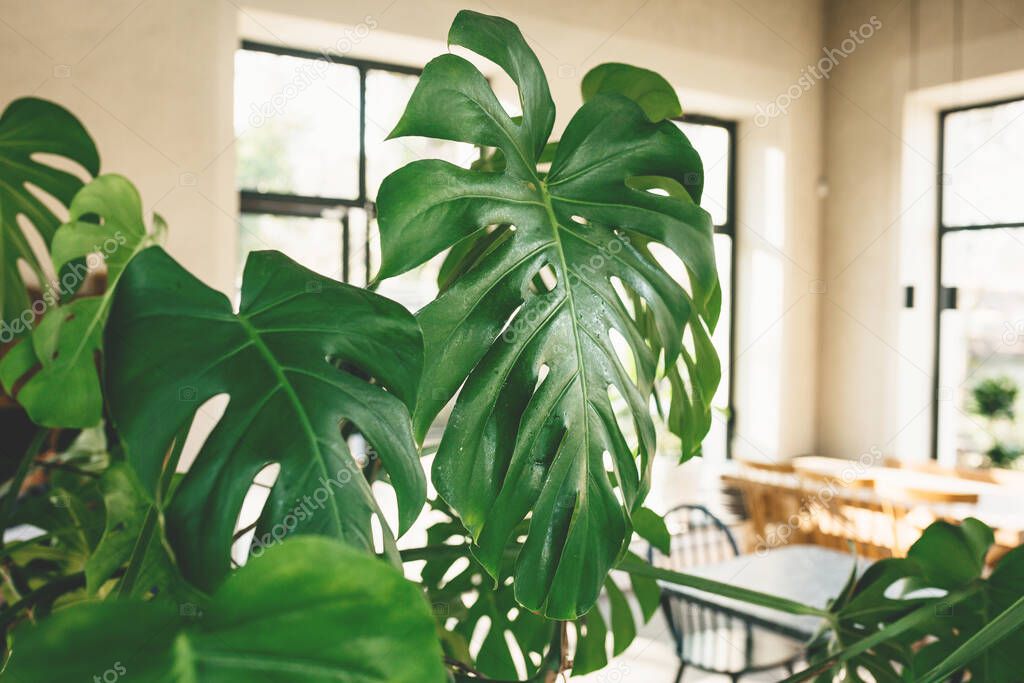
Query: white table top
{"points": [[808, 574]]}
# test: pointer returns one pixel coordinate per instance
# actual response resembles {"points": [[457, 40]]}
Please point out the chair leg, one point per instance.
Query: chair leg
{"points": [[682, 670], [735, 678]]}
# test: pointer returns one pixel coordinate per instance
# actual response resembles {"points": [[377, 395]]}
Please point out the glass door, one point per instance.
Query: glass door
{"points": [[980, 312]]}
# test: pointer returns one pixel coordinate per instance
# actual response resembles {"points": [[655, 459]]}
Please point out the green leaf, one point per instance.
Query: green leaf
{"points": [[592, 629], [311, 610], [947, 560], [464, 599], [911, 623], [133, 529], [952, 555], [29, 127], [591, 653], [651, 527], [294, 362], [998, 655], [1005, 624], [63, 387], [126, 508], [520, 442], [623, 624], [650, 90]]}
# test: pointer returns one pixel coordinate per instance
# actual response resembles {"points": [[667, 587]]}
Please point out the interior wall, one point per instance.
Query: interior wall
{"points": [[880, 222], [153, 82]]}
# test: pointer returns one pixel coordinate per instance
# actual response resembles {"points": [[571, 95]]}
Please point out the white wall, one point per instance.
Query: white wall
{"points": [[153, 82], [879, 232]]}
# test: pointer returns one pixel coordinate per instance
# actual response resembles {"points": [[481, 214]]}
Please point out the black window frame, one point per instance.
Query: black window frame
{"points": [[728, 228], [307, 206], [943, 299]]}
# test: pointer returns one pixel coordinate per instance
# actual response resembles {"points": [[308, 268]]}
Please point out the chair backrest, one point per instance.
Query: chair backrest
{"points": [[698, 537], [705, 636], [774, 467], [899, 493]]}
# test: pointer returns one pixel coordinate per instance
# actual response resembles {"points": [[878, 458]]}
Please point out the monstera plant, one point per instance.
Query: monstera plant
{"points": [[556, 333]]}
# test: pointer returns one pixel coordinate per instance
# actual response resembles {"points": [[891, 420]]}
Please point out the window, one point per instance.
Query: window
{"points": [[715, 141], [980, 294], [311, 156]]}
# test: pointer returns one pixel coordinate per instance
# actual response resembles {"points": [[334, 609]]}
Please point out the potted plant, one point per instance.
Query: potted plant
{"points": [[994, 400], [539, 492]]}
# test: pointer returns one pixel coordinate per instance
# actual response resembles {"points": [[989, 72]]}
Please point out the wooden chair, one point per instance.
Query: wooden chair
{"points": [[769, 501], [899, 500]]}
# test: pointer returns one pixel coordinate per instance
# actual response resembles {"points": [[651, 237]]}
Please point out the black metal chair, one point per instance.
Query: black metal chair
{"points": [[710, 637]]}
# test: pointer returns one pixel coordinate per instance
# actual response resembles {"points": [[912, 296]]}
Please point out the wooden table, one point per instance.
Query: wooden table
{"points": [[862, 496], [808, 574]]}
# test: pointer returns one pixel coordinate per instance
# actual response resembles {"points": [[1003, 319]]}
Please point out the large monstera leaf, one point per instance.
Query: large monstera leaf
{"points": [[310, 611], [30, 127], [294, 362], [53, 373], [528, 328]]}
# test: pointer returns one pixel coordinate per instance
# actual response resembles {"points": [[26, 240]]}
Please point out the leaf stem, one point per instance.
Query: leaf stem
{"points": [[54, 589], [638, 567]]}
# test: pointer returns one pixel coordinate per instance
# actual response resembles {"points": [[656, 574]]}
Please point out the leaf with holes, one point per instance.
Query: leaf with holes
{"points": [[483, 625], [30, 127], [53, 373], [652, 92], [540, 330], [292, 361]]}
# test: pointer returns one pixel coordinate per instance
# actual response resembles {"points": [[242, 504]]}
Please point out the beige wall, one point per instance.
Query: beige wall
{"points": [[879, 230], [153, 80]]}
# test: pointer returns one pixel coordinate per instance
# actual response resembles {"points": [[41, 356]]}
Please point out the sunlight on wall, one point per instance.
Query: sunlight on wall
{"points": [[761, 427]]}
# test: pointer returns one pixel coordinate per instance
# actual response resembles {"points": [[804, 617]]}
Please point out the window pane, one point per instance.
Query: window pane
{"points": [[721, 337], [297, 124], [712, 143], [387, 93], [983, 164], [983, 338], [313, 242], [714, 447]]}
